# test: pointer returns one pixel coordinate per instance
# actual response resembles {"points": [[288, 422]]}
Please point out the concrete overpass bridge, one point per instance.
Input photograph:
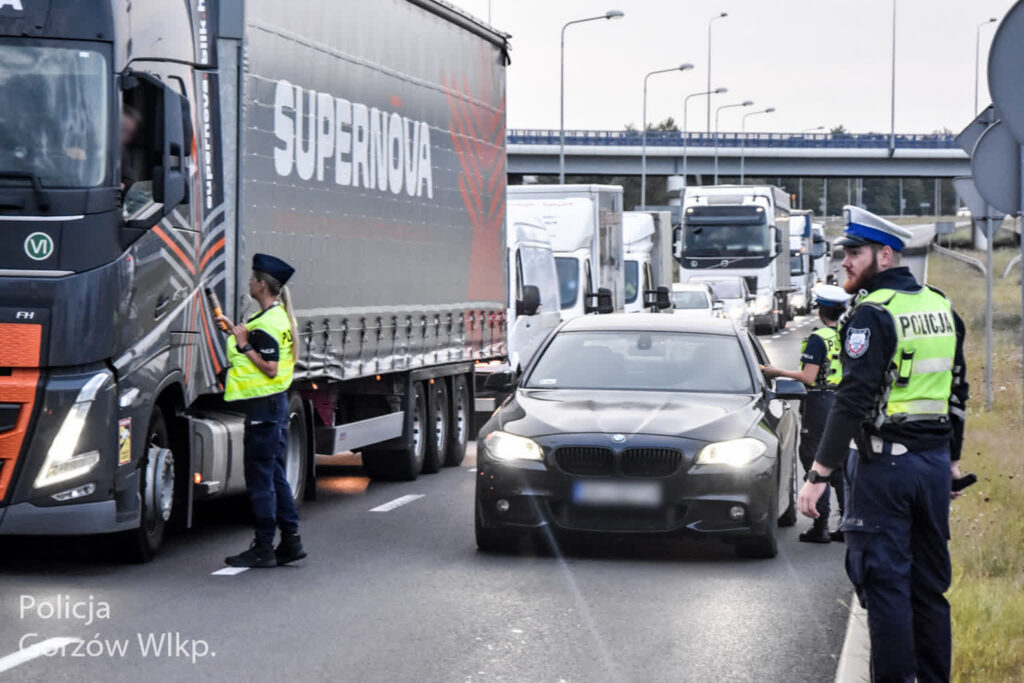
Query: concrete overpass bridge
{"points": [[846, 155]]}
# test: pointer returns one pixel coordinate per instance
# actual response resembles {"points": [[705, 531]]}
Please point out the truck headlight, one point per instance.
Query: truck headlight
{"points": [[734, 453], [504, 446], [62, 463], [763, 303]]}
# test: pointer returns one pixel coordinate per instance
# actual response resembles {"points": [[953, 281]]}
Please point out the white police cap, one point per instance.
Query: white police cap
{"points": [[864, 227], [830, 295]]}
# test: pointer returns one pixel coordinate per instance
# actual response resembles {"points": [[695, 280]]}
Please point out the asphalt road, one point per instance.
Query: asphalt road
{"points": [[403, 595]]}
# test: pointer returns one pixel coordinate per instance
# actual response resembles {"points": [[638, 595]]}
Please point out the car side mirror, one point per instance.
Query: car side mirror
{"points": [[530, 303], [789, 389], [658, 299], [600, 302], [500, 381]]}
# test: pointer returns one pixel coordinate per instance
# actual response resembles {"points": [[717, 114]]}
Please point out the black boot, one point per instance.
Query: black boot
{"points": [[838, 536], [816, 534], [289, 549], [258, 555]]}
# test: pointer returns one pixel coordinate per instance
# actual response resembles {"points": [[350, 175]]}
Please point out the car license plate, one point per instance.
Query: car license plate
{"points": [[615, 493]]}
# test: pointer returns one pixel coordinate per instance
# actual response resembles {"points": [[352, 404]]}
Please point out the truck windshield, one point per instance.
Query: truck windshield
{"points": [[726, 240], [53, 116], [568, 279]]}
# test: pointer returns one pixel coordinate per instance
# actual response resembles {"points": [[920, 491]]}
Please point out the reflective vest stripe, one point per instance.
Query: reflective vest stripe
{"points": [[921, 367]]}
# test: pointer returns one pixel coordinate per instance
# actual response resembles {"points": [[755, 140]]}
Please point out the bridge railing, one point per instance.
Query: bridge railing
{"points": [[659, 138]]}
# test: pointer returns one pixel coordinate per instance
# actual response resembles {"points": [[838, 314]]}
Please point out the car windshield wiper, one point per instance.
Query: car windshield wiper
{"points": [[33, 179]]}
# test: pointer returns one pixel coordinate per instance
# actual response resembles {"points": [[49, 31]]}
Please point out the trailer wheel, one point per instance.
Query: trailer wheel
{"points": [[458, 436], [404, 465], [156, 490], [297, 459], [437, 427]]}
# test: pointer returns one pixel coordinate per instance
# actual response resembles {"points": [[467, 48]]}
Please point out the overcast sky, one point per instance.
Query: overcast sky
{"points": [[818, 62]]}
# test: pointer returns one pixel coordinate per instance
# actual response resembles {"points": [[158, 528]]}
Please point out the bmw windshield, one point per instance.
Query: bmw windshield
{"points": [[54, 116], [643, 361]]}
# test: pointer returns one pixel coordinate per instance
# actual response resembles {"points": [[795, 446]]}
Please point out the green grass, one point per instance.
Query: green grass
{"points": [[987, 523]]}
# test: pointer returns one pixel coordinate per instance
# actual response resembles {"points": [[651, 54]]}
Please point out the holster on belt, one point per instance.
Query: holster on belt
{"points": [[863, 443]]}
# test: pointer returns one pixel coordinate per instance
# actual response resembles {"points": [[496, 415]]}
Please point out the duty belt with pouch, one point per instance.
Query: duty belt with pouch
{"points": [[878, 446]]}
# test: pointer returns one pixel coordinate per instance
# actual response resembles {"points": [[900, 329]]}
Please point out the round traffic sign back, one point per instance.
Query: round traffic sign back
{"points": [[1005, 66], [995, 166]]}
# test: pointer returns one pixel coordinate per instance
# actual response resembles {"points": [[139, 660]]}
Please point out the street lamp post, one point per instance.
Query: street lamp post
{"points": [[745, 103], [686, 105], [977, 59], [743, 138], [722, 15], [643, 153], [610, 14], [892, 96]]}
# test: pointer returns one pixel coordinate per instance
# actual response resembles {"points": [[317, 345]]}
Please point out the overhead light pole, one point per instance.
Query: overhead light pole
{"points": [[745, 103], [977, 59], [743, 138], [686, 130], [643, 154], [892, 96], [721, 15], [610, 14]]}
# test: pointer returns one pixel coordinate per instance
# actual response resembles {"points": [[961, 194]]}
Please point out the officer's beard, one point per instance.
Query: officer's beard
{"points": [[856, 283]]}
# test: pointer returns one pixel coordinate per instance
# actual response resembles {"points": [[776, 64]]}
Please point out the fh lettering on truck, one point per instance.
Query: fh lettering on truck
{"points": [[368, 147]]}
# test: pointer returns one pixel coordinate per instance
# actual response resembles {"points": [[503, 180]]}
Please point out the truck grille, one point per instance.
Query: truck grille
{"points": [[585, 460], [650, 462]]}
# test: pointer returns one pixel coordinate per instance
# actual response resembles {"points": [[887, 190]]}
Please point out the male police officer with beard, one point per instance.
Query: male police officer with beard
{"points": [[901, 402]]}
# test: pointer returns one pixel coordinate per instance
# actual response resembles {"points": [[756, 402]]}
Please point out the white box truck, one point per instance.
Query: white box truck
{"points": [[584, 223], [800, 267], [740, 230], [647, 237]]}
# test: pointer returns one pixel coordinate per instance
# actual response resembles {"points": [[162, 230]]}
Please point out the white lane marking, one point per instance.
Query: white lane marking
{"points": [[45, 647], [397, 503], [776, 336], [229, 571], [471, 469]]}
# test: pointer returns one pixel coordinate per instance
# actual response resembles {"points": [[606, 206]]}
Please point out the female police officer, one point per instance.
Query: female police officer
{"points": [[260, 354], [821, 371]]}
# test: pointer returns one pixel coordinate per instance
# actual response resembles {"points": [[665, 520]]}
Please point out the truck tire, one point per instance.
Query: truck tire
{"points": [[156, 490], [402, 465], [461, 416], [438, 426], [297, 458]]}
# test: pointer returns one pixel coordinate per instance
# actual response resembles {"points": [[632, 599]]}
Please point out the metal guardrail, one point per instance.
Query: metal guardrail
{"points": [[658, 138]]}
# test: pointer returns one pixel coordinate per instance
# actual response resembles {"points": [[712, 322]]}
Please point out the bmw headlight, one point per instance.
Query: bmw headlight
{"points": [[735, 453], [504, 446], [763, 303], [62, 463]]}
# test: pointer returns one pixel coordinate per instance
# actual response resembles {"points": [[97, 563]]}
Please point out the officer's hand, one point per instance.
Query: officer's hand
{"points": [[770, 371], [807, 501], [954, 469], [241, 333], [224, 320]]}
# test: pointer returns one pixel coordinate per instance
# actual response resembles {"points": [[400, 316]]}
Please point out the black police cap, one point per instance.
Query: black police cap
{"points": [[272, 266]]}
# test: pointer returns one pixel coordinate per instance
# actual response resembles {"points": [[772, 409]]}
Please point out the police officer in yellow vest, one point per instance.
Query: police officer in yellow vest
{"points": [[902, 399], [262, 362], [821, 370]]}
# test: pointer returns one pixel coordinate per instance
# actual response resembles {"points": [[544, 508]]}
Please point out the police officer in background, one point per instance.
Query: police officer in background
{"points": [[262, 363], [902, 401], [821, 370]]}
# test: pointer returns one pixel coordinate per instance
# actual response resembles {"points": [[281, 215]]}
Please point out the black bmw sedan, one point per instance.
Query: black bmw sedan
{"points": [[641, 423]]}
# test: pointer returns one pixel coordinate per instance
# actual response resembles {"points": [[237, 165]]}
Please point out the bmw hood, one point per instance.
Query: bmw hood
{"points": [[540, 412]]}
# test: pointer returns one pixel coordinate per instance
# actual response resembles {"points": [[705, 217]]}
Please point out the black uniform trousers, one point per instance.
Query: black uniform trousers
{"points": [[897, 528], [815, 413], [266, 436]]}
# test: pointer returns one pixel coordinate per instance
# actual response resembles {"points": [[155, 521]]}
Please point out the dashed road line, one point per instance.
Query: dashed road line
{"points": [[46, 647], [229, 571], [397, 503]]}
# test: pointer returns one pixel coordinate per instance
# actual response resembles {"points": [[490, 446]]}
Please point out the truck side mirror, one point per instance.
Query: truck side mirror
{"points": [[657, 299], [530, 303], [169, 133], [500, 381], [601, 302]]}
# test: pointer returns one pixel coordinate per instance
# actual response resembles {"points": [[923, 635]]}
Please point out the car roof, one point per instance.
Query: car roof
{"points": [[648, 322], [690, 287]]}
